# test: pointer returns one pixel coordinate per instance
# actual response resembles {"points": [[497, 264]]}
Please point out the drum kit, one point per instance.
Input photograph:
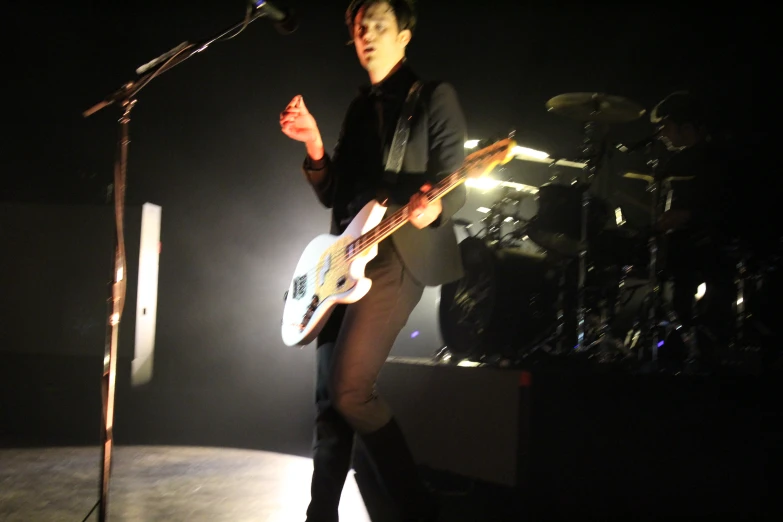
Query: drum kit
{"points": [[586, 289]]}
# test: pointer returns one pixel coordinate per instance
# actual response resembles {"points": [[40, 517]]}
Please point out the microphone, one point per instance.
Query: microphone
{"points": [[284, 19], [641, 144], [163, 57]]}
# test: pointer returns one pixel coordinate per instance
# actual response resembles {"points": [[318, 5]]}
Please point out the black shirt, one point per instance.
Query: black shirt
{"points": [[706, 172], [366, 137], [354, 174]]}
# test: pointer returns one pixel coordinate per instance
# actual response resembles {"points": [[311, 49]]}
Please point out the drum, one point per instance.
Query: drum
{"points": [[558, 224], [504, 304], [620, 247]]}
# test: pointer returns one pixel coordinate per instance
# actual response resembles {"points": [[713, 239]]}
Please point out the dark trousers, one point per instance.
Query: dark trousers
{"points": [[691, 264], [353, 347]]}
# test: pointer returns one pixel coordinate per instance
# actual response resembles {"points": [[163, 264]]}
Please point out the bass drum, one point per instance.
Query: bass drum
{"points": [[504, 304]]}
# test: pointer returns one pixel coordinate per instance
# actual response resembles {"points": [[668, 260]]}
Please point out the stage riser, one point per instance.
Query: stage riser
{"points": [[570, 440]]}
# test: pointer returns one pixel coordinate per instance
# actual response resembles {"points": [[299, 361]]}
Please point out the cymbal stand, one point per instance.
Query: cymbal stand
{"points": [[494, 223], [657, 202], [738, 306], [592, 162]]}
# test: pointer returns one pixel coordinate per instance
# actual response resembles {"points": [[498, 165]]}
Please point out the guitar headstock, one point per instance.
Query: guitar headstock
{"points": [[481, 162]]}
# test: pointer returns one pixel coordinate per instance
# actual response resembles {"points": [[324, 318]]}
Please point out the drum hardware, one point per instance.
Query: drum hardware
{"points": [[505, 211], [499, 312], [739, 306], [502, 308], [754, 317], [608, 305], [590, 109]]}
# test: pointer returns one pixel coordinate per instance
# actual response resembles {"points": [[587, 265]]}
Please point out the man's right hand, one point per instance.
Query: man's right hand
{"points": [[298, 124]]}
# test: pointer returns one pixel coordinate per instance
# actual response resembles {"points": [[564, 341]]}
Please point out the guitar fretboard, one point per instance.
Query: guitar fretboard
{"points": [[386, 227]]}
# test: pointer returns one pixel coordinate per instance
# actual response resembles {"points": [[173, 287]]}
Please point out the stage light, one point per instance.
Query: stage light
{"points": [[701, 290], [525, 152], [618, 217], [482, 183], [471, 144], [489, 184], [520, 187]]}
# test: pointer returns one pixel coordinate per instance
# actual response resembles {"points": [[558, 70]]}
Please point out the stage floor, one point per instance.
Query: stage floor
{"points": [[155, 483]]}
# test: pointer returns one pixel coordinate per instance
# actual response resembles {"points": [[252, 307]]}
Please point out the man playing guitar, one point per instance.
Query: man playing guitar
{"points": [[357, 339]]}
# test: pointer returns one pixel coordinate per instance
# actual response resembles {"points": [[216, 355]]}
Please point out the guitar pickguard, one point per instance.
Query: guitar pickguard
{"points": [[334, 270], [331, 276]]}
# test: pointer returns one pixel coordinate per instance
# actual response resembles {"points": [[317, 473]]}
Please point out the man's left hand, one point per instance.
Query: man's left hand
{"points": [[422, 212]]}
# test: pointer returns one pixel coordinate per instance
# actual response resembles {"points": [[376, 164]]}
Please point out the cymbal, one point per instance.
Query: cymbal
{"points": [[649, 179], [597, 107]]}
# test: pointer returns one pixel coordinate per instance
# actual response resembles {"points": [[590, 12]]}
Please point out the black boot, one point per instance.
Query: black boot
{"points": [[331, 462], [332, 449], [398, 474]]}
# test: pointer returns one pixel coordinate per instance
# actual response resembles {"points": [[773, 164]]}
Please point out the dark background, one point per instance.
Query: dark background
{"points": [[237, 212]]}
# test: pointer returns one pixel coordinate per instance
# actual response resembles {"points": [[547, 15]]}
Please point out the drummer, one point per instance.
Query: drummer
{"points": [[702, 218], [698, 165]]}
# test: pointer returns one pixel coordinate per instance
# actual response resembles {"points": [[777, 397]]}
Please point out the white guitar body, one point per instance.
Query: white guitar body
{"points": [[323, 278]]}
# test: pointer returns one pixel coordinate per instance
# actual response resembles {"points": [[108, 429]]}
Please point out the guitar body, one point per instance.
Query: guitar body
{"points": [[323, 278]]}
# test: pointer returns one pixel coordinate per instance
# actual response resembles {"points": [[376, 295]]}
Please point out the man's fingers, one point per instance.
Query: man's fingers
{"points": [[294, 101], [418, 202], [289, 115], [421, 201]]}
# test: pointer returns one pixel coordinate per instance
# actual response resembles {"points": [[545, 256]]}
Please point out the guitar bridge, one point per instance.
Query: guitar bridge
{"points": [[300, 286], [309, 313]]}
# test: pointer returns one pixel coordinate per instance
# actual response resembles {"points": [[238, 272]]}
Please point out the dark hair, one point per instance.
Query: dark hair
{"points": [[403, 10], [681, 107]]}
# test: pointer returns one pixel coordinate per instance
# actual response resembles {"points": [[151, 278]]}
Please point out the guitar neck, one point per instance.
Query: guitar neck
{"points": [[389, 225]]}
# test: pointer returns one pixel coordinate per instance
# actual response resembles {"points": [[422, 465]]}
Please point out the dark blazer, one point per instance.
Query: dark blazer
{"points": [[353, 174]]}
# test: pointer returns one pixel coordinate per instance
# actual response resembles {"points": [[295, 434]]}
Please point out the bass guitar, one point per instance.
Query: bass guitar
{"points": [[330, 271]]}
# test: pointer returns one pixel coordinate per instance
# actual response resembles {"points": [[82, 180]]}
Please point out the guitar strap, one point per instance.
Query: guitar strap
{"points": [[401, 133]]}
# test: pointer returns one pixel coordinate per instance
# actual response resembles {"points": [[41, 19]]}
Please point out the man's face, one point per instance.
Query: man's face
{"points": [[379, 42], [671, 135]]}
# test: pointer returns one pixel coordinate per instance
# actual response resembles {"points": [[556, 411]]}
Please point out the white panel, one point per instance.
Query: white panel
{"points": [[147, 295]]}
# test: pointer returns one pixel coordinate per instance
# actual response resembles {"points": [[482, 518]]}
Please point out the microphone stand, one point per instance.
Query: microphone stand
{"points": [[126, 98]]}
